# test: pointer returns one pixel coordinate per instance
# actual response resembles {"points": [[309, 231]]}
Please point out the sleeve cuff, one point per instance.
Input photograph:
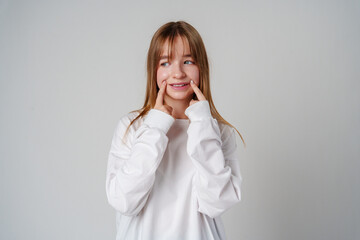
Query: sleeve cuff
{"points": [[158, 119], [199, 111]]}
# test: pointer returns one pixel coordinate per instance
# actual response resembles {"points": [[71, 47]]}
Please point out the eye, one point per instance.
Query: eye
{"points": [[189, 62], [165, 64]]}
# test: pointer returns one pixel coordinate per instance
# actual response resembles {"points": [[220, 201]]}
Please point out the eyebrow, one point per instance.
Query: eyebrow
{"points": [[166, 56]]}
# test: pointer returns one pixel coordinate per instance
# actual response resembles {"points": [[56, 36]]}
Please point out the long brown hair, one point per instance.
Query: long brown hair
{"points": [[168, 32]]}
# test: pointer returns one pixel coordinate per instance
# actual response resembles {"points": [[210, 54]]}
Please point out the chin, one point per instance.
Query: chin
{"points": [[180, 96]]}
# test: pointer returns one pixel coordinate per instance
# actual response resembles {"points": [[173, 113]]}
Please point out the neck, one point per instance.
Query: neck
{"points": [[179, 106]]}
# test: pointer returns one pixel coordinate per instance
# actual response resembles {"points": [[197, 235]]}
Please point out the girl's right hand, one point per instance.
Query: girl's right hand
{"points": [[159, 104]]}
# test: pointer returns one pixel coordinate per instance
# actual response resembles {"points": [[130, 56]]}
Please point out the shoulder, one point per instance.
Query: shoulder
{"points": [[225, 130], [125, 120], [122, 125], [228, 133], [128, 117]]}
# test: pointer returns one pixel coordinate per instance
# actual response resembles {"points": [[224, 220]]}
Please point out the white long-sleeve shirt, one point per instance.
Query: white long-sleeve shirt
{"points": [[174, 177]]}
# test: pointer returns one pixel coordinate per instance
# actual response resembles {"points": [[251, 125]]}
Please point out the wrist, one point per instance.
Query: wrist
{"points": [[199, 111], [158, 119]]}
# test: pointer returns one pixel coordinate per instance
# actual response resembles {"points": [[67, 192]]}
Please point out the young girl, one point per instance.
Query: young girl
{"points": [[172, 168]]}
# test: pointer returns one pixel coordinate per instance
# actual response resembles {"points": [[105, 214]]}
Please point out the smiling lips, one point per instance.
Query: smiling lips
{"points": [[179, 86]]}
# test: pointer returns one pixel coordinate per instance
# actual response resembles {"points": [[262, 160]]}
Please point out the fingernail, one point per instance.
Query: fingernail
{"points": [[192, 81], [163, 82]]}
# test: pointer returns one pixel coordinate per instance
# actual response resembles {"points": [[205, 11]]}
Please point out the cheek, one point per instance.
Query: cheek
{"points": [[161, 75], [195, 75]]}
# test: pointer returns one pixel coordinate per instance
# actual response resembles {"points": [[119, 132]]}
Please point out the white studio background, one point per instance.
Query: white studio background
{"points": [[285, 73]]}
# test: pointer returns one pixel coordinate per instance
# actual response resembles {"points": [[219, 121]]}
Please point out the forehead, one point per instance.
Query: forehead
{"points": [[178, 44]]}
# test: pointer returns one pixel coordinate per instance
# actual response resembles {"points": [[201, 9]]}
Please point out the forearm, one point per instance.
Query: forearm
{"points": [[217, 179], [131, 172]]}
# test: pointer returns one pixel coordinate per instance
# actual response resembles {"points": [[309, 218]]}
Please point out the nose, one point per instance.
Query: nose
{"points": [[178, 71]]}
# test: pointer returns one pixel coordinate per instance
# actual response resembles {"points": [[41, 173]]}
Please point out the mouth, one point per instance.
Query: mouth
{"points": [[179, 86]]}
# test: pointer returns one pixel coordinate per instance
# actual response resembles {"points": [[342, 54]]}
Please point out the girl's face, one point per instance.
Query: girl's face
{"points": [[178, 70]]}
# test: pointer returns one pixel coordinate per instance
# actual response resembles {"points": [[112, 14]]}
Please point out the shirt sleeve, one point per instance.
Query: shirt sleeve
{"points": [[131, 169], [217, 180]]}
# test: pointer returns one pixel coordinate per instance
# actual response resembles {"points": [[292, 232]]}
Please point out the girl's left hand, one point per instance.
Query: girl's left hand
{"points": [[198, 93]]}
